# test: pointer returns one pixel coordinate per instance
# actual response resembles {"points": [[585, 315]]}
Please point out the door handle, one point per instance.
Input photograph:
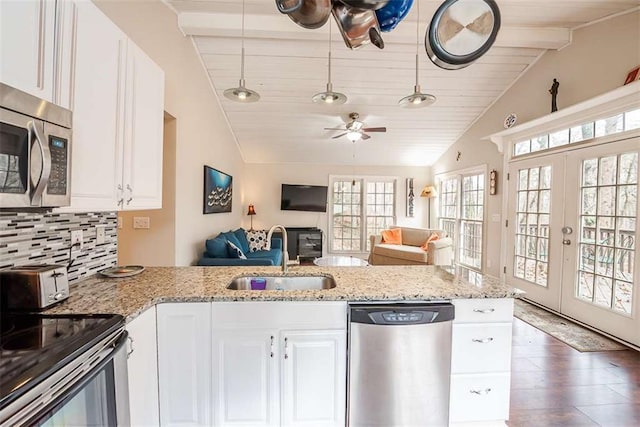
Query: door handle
{"points": [[566, 242], [36, 195]]}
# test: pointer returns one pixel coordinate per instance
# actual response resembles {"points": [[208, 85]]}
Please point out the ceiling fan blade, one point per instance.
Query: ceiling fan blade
{"points": [[334, 129], [365, 136], [338, 136], [381, 129]]}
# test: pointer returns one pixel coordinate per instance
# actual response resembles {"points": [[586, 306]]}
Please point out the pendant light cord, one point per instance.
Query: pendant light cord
{"points": [[329, 79], [242, 49], [417, 39]]}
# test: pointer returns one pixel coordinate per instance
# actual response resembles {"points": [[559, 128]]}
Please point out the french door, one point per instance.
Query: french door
{"points": [[575, 229]]}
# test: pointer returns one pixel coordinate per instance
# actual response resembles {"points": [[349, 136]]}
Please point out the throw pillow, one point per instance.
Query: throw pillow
{"points": [[234, 251], [241, 235], [433, 237], [257, 240], [217, 248], [392, 236], [231, 237]]}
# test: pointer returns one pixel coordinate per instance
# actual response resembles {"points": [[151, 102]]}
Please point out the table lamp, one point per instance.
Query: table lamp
{"points": [[251, 213]]}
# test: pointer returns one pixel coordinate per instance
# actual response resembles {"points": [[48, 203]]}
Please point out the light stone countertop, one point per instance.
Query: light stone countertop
{"points": [[130, 296]]}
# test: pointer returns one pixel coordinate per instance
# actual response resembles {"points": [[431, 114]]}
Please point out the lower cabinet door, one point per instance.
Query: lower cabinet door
{"points": [[313, 377], [479, 397], [142, 366], [184, 364], [245, 372]]}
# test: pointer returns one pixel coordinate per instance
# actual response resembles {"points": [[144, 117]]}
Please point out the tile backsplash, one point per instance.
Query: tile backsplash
{"points": [[45, 238]]}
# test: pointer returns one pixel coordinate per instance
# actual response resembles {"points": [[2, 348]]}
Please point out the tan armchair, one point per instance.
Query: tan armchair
{"points": [[439, 252]]}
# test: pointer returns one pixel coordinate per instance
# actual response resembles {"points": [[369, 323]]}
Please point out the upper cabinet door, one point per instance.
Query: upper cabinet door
{"points": [[144, 111], [98, 111], [314, 372], [27, 31]]}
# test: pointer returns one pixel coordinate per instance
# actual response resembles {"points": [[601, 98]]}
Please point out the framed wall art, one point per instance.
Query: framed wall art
{"points": [[410, 198], [218, 191]]}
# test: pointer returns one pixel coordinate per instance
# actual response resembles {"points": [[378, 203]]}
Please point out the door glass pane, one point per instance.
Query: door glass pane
{"points": [[608, 226], [532, 232]]}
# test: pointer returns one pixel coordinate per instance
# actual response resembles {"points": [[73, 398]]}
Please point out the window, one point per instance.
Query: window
{"points": [[622, 122], [461, 215], [360, 207]]}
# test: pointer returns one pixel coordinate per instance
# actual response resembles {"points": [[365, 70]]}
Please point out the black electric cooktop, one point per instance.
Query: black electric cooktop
{"points": [[32, 346]]}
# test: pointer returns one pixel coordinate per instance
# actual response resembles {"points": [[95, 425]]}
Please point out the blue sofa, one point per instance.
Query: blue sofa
{"points": [[217, 252]]}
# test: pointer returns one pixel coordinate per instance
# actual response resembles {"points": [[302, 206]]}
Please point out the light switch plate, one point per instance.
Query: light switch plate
{"points": [[101, 233], [76, 238]]}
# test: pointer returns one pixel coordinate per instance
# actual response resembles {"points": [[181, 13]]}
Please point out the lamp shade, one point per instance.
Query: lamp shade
{"points": [[252, 210], [429, 191]]}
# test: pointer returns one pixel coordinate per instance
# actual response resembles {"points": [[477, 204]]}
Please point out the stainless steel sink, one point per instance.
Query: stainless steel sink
{"points": [[284, 283]]}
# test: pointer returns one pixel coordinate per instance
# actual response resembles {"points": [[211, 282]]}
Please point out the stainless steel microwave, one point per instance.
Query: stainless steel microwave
{"points": [[35, 151]]}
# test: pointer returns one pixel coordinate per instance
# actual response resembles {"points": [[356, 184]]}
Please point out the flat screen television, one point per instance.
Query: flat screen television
{"points": [[312, 198]]}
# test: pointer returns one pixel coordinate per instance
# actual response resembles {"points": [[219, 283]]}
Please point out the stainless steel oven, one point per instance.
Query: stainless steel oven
{"points": [[65, 370], [35, 151]]}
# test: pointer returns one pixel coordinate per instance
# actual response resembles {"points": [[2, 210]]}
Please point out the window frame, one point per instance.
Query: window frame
{"points": [[364, 180], [456, 237]]}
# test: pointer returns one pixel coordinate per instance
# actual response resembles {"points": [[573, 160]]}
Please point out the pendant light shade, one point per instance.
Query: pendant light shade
{"points": [[329, 96], [242, 93], [417, 99]]}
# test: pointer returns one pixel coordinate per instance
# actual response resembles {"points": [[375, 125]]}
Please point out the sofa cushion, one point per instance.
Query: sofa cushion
{"points": [[415, 236], [234, 251], [413, 253], [257, 240], [216, 248], [273, 254], [231, 237], [392, 236], [241, 235]]}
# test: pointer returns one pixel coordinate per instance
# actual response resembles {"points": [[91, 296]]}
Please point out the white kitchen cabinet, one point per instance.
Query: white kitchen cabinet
{"points": [[314, 368], [118, 104], [279, 363], [245, 372], [481, 362], [144, 112], [184, 364], [142, 365], [98, 116], [27, 31]]}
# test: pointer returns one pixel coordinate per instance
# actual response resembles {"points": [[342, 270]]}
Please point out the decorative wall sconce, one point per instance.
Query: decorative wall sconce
{"points": [[493, 182]]}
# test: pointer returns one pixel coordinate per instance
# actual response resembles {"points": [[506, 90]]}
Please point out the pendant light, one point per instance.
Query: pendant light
{"points": [[417, 99], [241, 93], [329, 96]]}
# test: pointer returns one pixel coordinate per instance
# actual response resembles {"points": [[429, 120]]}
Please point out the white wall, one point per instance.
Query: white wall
{"points": [[202, 134], [262, 187], [596, 62]]}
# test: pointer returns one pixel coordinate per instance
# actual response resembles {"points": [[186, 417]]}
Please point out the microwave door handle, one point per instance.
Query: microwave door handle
{"points": [[36, 197]]}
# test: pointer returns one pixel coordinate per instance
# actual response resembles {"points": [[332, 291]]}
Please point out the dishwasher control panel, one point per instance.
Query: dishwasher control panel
{"points": [[394, 317], [402, 314]]}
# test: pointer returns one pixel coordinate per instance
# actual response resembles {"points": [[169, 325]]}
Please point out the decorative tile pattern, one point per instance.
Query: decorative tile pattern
{"points": [[45, 238]]}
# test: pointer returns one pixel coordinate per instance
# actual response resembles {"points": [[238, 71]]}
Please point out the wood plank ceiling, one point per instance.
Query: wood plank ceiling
{"points": [[287, 65]]}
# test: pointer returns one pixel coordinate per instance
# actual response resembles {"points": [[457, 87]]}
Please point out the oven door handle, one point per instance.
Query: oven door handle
{"points": [[45, 172]]}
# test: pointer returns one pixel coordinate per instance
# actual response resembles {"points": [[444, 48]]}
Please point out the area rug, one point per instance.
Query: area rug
{"points": [[578, 337]]}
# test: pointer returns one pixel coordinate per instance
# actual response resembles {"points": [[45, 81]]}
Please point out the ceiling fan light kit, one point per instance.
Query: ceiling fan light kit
{"points": [[242, 93]]}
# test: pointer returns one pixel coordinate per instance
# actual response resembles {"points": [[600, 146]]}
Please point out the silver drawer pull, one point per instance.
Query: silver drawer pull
{"points": [[130, 352], [482, 340], [484, 310], [485, 391]]}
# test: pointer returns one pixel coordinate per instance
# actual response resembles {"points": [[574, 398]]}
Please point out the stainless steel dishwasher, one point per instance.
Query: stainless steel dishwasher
{"points": [[399, 364]]}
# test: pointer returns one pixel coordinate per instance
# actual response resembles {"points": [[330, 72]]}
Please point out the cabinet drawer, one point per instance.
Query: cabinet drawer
{"points": [[483, 310], [480, 397], [478, 348], [280, 315]]}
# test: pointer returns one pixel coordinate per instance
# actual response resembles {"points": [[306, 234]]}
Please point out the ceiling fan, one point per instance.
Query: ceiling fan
{"points": [[355, 130]]}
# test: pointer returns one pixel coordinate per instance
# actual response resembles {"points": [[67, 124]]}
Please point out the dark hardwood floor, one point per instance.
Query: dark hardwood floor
{"points": [[553, 384]]}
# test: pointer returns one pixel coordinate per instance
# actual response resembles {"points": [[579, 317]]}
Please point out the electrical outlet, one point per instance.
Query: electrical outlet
{"points": [[76, 238], [120, 222], [141, 222], [101, 233]]}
